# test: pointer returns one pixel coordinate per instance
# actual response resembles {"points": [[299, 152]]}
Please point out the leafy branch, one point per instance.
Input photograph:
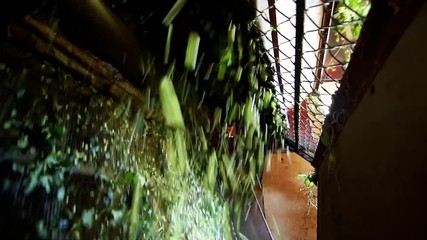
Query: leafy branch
{"points": [[350, 14]]}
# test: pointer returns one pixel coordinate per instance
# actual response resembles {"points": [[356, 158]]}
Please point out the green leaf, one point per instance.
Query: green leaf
{"points": [[168, 44], [117, 215], [127, 178], [31, 185], [176, 8], [221, 71], [233, 114], [87, 218], [60, 194], [267, 99], [20, 93], [42, 231], [242, 237], [202, 138], [212, 171], [170, 104], [217, 117], [302, 176], [45, 181], [22, 142], [181, 150], [238, 74], [231, 33], [192, 50], [357, 30]]}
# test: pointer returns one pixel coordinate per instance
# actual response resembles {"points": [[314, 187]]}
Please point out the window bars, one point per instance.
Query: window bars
{"points": [[309, 43]]}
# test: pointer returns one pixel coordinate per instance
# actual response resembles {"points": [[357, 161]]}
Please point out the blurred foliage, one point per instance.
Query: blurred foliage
{"points": [[350, 14], [116, 174], [310, 188]]}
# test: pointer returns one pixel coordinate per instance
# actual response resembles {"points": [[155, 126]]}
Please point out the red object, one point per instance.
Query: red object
{"points": [[304, 123], [231, 131]]}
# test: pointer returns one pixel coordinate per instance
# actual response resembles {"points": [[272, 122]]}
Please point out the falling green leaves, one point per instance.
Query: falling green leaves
{"points": [[170, 104], [22, 142], [176, 8], [168, 44], [217, 118], [87, 218], [211, 175], [135, 209], [192, 51], [194, 174], [60, 194]]}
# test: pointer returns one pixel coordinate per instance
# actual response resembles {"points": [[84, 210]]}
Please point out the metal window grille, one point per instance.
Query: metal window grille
{"points": [[309, 43]]}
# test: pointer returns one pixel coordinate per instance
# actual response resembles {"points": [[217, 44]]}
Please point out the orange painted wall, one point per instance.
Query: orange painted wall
{"points": [[286, 206]]}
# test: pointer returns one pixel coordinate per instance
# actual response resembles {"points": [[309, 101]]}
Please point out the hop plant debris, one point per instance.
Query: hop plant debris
{"points": [[177, 176]]}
